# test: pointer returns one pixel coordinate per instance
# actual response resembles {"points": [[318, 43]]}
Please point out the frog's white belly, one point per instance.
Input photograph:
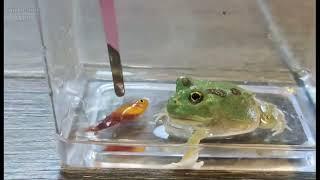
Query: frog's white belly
{"points": [[185, 130]]}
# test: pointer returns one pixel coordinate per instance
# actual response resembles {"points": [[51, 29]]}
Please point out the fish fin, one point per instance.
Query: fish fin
{"points": [[107, 122]]}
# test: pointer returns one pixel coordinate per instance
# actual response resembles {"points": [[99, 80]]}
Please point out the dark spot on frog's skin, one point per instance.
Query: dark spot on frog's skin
{"points": [[218, 92], [224, 12], [235, 91]]}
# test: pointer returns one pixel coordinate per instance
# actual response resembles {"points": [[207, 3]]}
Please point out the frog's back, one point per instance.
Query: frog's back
{"points": [[225, 86], [229, 101]]}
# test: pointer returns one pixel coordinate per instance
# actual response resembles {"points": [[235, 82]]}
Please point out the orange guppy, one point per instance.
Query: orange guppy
{"points": [[126, 112]]}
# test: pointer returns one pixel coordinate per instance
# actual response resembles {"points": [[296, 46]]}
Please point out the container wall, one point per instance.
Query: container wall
{"points": [[64, 70], [227, 40], [297, 25], [217, 40]]}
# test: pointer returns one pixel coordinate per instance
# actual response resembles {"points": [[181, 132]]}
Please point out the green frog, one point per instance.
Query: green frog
{"points": [[202, 109]]}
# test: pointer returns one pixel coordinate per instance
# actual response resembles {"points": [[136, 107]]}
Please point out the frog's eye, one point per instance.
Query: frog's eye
{"points": [[195, 97], [185, 81]]}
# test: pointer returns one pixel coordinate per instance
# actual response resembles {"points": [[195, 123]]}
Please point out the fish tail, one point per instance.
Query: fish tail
{"points": [[107, 122], [125, 148]]}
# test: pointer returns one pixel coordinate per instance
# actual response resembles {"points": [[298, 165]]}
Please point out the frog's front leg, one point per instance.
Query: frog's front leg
{"points": [[189, 159], [272, 118], [161, 116]]}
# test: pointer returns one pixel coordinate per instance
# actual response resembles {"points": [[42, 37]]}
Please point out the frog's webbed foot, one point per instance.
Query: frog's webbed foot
{"points": [[187, 162], [159, 117], [183, 165]]}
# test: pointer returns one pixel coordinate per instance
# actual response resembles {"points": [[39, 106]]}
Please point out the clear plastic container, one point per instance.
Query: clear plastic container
{"points": [[250, 43]]}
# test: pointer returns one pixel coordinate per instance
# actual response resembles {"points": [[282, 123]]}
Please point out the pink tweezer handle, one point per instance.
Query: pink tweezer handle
{"points": [[109, 23]]}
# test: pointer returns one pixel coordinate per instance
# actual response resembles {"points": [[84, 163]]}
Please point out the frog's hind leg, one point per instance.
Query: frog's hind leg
{"points": [[273, 118], [281, 123]]}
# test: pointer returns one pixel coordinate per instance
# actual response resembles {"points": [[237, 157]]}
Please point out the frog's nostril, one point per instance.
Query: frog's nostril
{"points": [[173, 101]]}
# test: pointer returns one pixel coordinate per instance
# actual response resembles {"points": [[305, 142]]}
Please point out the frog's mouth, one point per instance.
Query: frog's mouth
{"points": [[181, 128], [189, 121]]}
